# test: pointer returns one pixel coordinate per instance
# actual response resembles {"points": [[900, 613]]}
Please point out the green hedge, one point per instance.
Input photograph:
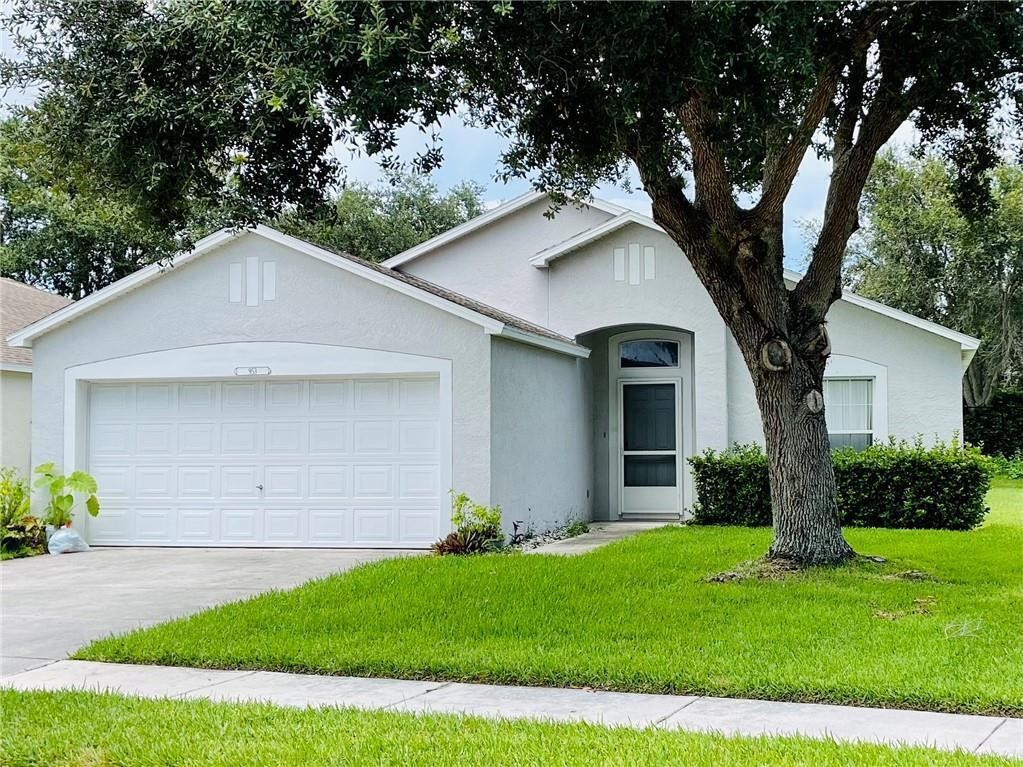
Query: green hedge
{"points": [[887, 485], [997, 427]]}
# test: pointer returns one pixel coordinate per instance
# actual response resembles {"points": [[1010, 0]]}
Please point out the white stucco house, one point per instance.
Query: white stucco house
{"points": [[264, 391], [20, 305]]}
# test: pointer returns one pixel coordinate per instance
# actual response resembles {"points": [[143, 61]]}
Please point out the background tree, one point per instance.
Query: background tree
{"points": [[177, 99], [919, 253], [58, 229], [379, 221], [62, 230]]}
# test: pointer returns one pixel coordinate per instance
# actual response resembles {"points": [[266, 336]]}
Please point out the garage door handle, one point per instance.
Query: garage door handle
{"points": [[259, 487]]}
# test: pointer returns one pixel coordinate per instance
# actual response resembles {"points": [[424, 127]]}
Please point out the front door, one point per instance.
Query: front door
{"points": [[649, 447]]}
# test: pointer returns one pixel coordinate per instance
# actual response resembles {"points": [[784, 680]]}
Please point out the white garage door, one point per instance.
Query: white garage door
{"points": [[326, 462]]}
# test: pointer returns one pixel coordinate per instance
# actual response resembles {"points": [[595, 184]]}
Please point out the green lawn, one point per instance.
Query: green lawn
{"points": [[91, 730], [639, 615]]}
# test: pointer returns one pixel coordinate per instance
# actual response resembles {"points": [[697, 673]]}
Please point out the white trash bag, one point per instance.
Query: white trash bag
{"points": [[66, 541]]}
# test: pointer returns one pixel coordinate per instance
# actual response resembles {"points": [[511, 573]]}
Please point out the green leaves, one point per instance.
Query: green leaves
{"points": [[62, 491]]}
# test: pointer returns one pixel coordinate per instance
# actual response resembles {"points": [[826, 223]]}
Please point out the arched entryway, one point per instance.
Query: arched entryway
{"points": [[643, 415]]}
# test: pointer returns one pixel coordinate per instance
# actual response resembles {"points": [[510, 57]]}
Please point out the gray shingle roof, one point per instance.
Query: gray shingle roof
{"points": [[21, 305]]}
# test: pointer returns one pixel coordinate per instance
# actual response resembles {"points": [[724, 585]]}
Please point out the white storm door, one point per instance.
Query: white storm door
{"points": [[320, 462], [649, 447]]}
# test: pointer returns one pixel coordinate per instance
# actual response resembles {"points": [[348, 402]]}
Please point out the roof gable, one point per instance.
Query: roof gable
{"points": [[491, 320], [484, 220], [543, 259]]}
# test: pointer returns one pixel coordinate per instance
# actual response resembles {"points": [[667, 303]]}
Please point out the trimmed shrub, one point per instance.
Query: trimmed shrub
{"points": [[896, 484], [998, 427]]}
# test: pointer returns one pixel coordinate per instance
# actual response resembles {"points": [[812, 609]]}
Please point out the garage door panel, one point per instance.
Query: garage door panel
{"points": [[419, 481], [155, 482], [373, 437], [197, 482], [155, 400], [241, 438], [372, 397], [373, 525], [198, 439], [418, 396], [112, 439], [284, 482], [418, 525], [328, 397], [155, 439], [240, 525], [328, 481], [323, 462], [420, 436], [285, 397], [113, 400], [239, 398], [198, 525], [284, 525], [330, 437], [240, 481], [155, 525], [373, 481], [330, 526]]}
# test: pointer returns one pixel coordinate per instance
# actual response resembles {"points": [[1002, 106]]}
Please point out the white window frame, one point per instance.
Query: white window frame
{"points": [[846, 368]]}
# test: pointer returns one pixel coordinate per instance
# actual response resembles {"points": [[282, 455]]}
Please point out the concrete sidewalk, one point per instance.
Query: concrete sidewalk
{"points": [[599, 534], [976, 734]]}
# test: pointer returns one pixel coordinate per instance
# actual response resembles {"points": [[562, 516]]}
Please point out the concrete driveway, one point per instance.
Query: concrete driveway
{"points": [[52, 605]]}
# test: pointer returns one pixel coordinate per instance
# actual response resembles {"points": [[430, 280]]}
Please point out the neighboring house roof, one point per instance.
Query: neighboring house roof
{"points": [[485, 219], [493, 321], [20, 306], [543, 259]]}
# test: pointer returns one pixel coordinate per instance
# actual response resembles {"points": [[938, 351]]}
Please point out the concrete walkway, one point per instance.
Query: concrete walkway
{"points": [[977, 734], [50, 606], [600, 534]]}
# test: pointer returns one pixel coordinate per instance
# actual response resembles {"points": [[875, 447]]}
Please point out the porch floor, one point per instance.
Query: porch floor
{"points": [[600, 534]]}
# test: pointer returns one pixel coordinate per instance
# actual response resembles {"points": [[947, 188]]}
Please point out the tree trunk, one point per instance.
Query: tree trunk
{"points": [[802, 475]]}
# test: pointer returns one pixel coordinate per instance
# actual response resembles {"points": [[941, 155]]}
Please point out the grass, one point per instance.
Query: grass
{"points": [[640, 615], [79, 729]]}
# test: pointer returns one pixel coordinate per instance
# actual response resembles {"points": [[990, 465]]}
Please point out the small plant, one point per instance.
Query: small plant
{"points": [[477, 528], [21, 535], [62, 490], [576, 527]]}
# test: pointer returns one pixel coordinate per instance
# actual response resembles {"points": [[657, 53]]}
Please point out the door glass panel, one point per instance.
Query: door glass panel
{"points": [[650, 471], [648, 413], [649, 354]]}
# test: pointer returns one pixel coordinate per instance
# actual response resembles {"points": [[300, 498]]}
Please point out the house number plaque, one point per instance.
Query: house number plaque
{"points": [[258, 370]]}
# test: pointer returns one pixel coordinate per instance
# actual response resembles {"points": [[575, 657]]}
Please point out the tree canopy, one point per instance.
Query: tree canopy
{"points": [[919, 253]]}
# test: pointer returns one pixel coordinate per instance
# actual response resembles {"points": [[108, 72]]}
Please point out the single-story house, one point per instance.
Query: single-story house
{"points": [[264, 391], [20, 305]]}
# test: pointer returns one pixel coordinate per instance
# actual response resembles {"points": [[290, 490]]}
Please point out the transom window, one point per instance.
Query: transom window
{"points": [[849, 410], [648, 354]]}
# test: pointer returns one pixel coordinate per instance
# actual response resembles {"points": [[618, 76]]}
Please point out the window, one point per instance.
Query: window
{"points": [[649, 354], [849, 409]]}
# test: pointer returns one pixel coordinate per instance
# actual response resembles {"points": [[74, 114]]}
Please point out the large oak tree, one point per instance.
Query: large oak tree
{"points": [[713, 103]]}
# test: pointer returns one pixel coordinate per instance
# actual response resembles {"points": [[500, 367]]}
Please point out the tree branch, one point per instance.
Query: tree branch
{"points": [[713, 187], [822, 283]]}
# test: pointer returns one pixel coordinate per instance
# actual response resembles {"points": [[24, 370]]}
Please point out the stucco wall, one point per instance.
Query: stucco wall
{"points": [[315, 303], [924, 375], [540, 440], [492, 263], [15, 419]]}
